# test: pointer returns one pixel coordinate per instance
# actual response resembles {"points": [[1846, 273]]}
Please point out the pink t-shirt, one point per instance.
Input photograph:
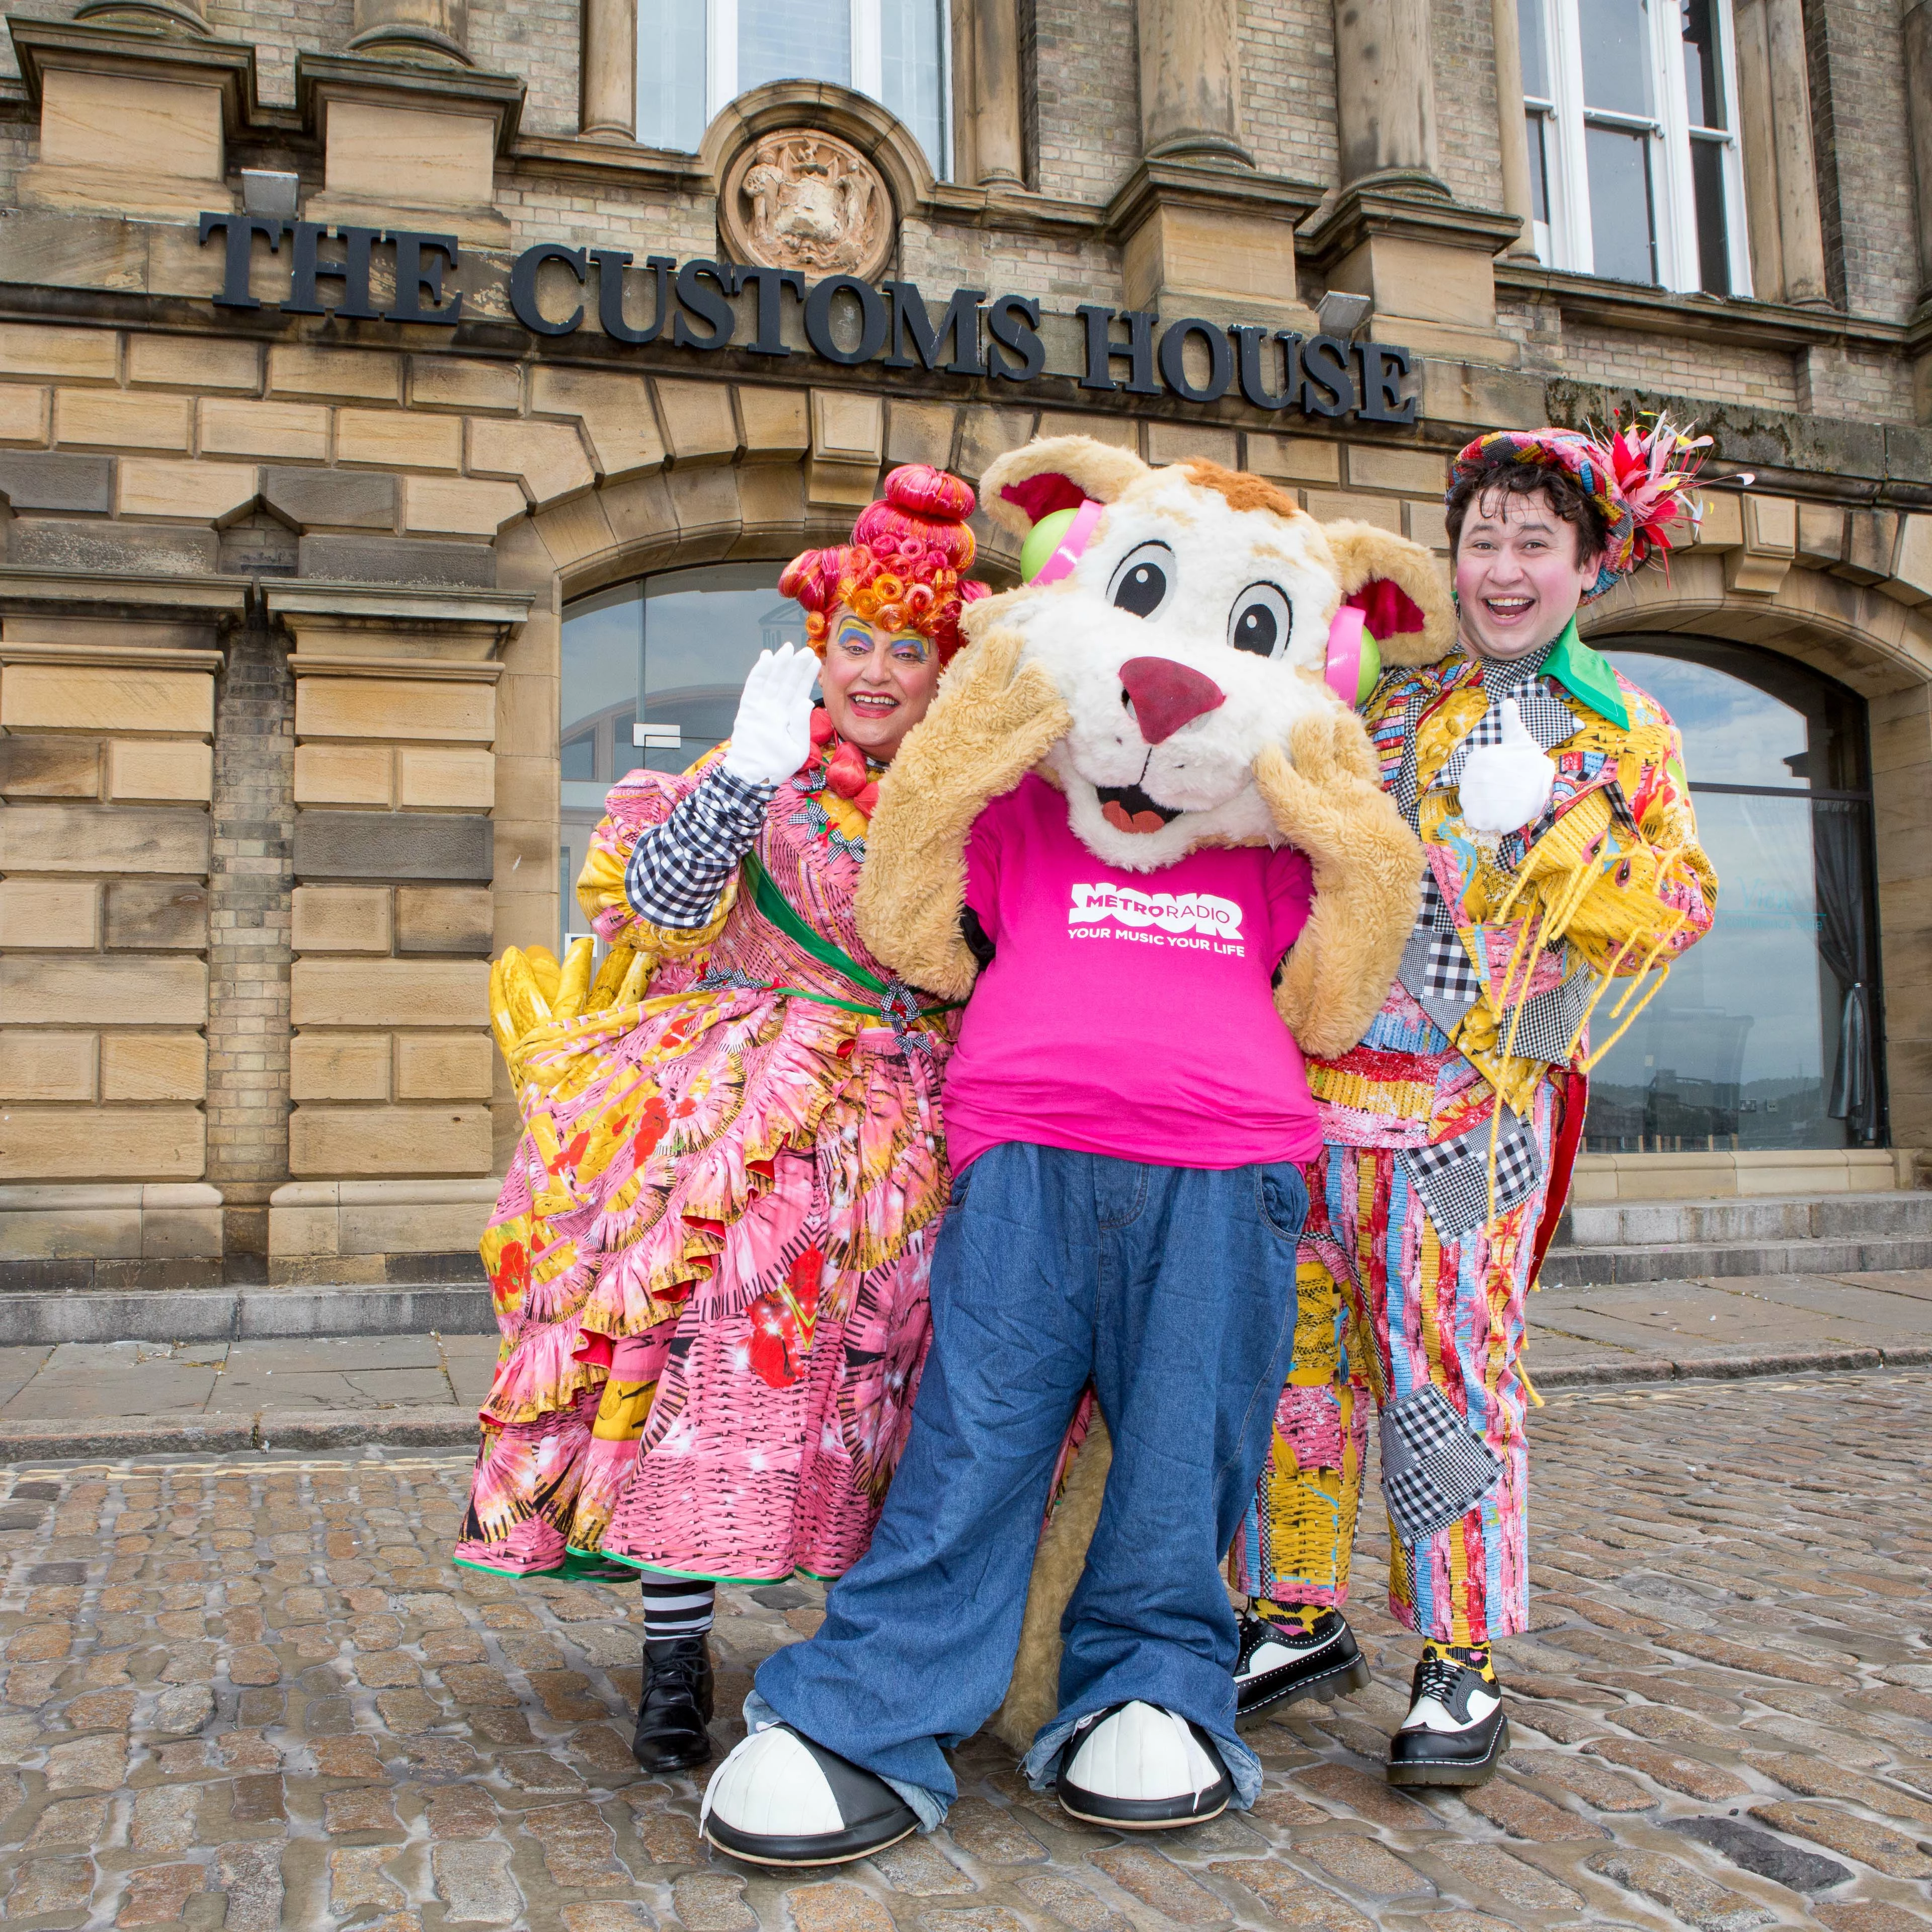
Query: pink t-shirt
{"points": [[1127, 1013]]}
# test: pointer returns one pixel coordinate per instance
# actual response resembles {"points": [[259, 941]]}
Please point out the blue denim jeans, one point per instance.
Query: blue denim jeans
{"points": [[1172, 1289]]}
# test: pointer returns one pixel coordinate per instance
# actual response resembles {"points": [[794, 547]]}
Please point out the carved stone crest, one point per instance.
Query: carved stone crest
{"points": [[807, 200]]}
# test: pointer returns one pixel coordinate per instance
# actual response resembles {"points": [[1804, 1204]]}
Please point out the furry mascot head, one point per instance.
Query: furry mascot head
{"points": [[1168, 667]]}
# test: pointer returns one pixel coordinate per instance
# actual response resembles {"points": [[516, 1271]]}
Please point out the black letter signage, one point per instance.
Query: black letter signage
{"points": [[847, 321]]}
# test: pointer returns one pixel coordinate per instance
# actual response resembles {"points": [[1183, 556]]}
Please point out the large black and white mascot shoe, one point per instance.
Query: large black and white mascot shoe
{"points": [[1456, 1732], [1140, 1768], [779, 1799], [1281, 1660]]}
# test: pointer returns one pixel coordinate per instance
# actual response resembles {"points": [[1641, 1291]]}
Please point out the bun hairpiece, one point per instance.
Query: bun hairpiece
{"points": [[1638, 478], [904, 569]]}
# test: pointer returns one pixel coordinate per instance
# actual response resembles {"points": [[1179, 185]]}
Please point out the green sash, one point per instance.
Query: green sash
{"points": [[778, 910]]}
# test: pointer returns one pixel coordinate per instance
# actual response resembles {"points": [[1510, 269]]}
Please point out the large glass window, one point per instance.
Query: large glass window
{"points": [[1766, 1033], [651, 675], [694, 56], [1635, 171]]}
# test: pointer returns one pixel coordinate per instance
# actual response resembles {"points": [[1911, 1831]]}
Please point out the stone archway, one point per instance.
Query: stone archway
{"points": [[1882, 649]]}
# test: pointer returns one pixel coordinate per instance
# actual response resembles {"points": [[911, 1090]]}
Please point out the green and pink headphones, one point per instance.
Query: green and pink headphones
{"points": [[1353, 665]]}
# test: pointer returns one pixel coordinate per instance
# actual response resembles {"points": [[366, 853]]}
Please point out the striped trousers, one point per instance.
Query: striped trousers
{"points": [[1387, 1305]]}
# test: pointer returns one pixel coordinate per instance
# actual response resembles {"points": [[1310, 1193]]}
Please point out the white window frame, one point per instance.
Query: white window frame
{"points": [[1566, 241], [868, 59]]}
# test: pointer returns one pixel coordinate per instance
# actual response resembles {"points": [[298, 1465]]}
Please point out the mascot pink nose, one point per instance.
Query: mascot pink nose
{"points": [[1167, 695]]}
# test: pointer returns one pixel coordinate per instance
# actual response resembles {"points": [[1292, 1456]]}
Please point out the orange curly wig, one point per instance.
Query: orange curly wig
{"points": [[904, 569]]}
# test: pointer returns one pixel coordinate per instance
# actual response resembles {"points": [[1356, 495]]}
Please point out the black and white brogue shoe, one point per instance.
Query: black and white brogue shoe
{"points": [[1280, 1662], [1138, 1767], [1455, 1732], [780, 1799]]}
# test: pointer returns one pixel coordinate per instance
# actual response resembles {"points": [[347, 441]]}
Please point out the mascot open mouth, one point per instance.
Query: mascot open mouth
{"points": [[1128, 808]]}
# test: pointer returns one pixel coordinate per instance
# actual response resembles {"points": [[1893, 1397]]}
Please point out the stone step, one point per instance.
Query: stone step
{"points": [[1603, 1243], [1746, 1220], [245, 1314], [1596, 1267]]}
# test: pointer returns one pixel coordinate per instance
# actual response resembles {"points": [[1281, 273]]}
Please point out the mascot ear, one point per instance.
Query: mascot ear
{"points": [[1055, 473], [1400, 588]]}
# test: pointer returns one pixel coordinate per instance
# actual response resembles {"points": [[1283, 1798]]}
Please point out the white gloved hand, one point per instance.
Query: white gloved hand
{"points": [[771, 736], [1505, 786]]}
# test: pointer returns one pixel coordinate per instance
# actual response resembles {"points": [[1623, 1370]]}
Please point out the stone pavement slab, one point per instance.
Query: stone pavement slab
{"points": [[98, 1382], [422, 1390], [248, 1692], [18, 1367], [1722, 1325], [370, 1372]]}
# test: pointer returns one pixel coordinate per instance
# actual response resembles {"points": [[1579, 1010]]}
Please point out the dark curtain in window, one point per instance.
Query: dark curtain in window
{"points": [[1844, 939]]}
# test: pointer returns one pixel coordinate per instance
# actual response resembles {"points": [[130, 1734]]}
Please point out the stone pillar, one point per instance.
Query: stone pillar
{"points": [[1512, 135], [1395, 233], [1917, 31], [1787, 234], [408, 141], [610, 108], [411, 29], [1385, 92], [248, 955], [136, 113], [998, 153], [1190, 94]]}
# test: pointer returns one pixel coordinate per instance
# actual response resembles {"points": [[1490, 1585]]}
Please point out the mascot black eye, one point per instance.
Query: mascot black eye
{"points": [[1260, 620], [1143, 580]]}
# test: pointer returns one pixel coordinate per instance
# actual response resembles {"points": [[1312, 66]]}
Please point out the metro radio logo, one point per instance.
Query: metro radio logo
{"points": [[1180, 913]]}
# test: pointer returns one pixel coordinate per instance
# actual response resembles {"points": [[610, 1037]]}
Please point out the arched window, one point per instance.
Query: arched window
{"points": [[1767, 1033], [651, 674], [695, 55]]}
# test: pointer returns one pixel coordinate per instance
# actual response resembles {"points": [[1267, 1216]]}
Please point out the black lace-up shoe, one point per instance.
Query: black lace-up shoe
{"points": [[1280, 1662], [1455, 1732], [676, 1706]]}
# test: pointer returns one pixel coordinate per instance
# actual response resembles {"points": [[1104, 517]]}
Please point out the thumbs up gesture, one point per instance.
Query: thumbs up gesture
{"points": [[1505, 786]]}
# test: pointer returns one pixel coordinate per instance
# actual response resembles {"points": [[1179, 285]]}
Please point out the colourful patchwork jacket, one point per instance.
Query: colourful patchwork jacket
{"points": [[1519, 937]]}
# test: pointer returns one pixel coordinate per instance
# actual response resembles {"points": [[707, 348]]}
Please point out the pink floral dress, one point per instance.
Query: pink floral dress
{"points": [[709, 1256]]}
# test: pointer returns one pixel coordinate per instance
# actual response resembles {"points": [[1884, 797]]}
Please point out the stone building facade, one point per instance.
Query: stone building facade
{"points": [[347, 351]]}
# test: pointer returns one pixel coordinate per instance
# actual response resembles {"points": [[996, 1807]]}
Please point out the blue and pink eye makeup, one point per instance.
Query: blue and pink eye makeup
{"points": [[908, 647]]}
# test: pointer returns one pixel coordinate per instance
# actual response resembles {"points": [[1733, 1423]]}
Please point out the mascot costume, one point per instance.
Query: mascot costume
{"points": [[1142, 830], [1550, 796]]}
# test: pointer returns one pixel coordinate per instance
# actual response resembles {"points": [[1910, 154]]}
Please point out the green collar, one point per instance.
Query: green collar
{"points": [[1587, 675]]}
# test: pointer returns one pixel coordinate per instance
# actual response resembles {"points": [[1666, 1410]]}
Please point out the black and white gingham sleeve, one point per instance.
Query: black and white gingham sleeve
{"points": [[679, 870]]}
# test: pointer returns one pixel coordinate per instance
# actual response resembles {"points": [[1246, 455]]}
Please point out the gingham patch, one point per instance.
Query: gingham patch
{"points": [[1416, 976], [1545, 716], [1453, 1177], [1548, 1019], [679, 870], [1434, 1470], [1448, 973]]}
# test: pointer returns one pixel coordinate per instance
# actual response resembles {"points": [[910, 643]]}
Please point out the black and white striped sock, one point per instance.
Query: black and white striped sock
{"points": [[676, 1607]]}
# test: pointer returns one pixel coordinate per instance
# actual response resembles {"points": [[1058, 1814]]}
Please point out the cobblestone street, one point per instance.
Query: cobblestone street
{"points": [[249, 1692]]}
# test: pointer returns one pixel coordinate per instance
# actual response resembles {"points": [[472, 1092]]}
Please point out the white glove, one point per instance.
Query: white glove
{"points": [[1505, 786], [771, 736]]}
